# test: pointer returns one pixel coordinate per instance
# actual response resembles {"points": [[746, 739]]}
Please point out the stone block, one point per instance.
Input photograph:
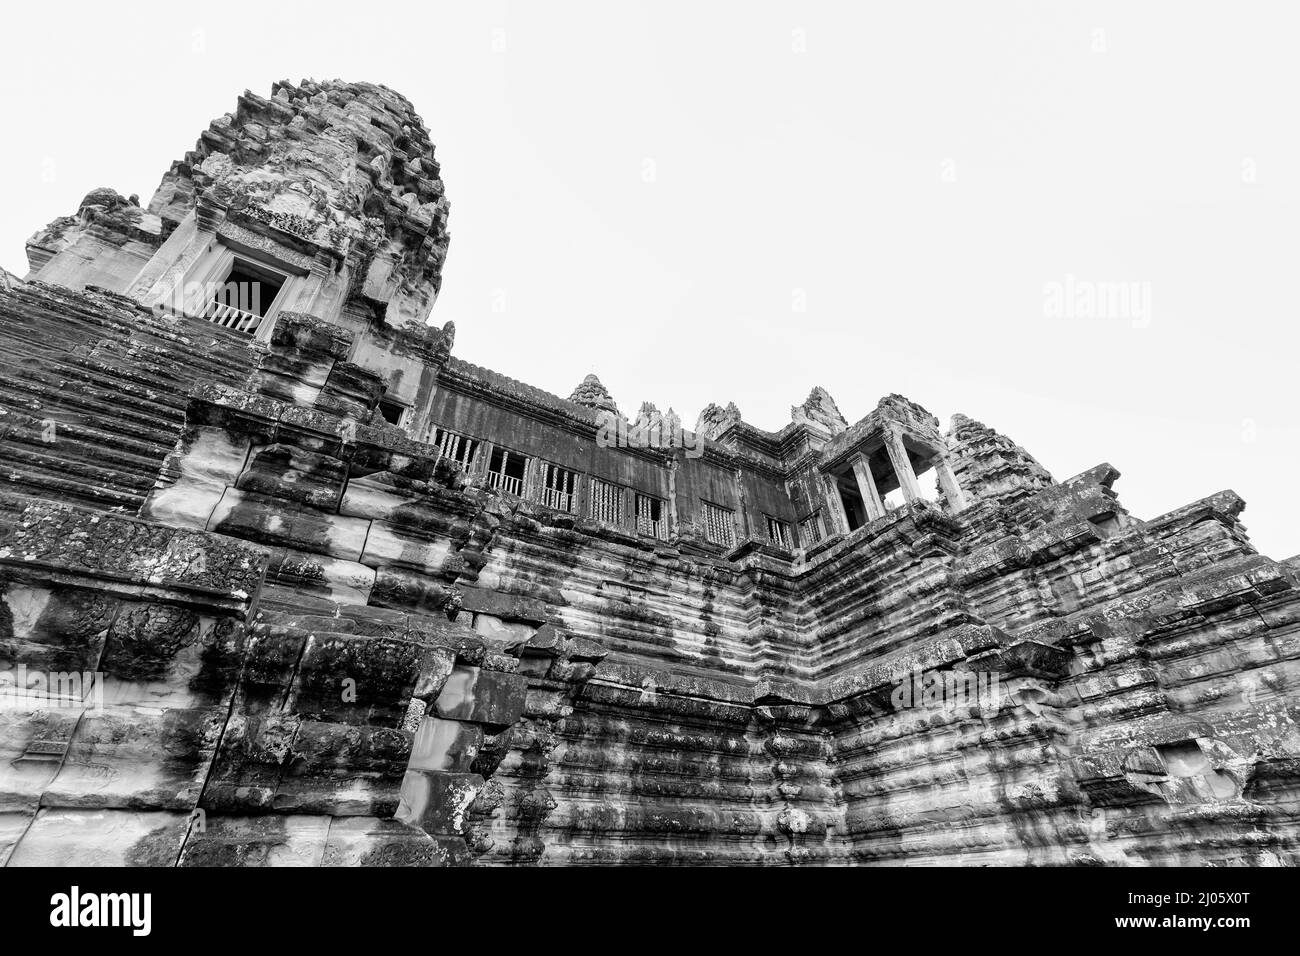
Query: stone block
{"points": [[73, 837], [482, 696], [367, 841], [114, 553], [54, 632], [270, 840], [272, 521], [510, 607], [33, 739], [207, 459], [251, 760], [272, 659], [510, 633], [284, 471], [409, 590], [355, 679], [347, 582], [387, 546], [137, 758], [438, 803], [343, 770], [311, 335], [13, 824], [446, 745]]}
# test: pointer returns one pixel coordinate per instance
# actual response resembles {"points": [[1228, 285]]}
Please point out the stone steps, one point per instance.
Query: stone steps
{"points": [[111, 445], [33, 396], [53, 484], [106, 361], [175, 343], [96, 464], [116, 391], [217, 356], [114, 380]]}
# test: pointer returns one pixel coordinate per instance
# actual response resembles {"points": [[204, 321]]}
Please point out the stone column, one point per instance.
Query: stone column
{"points": [[867, 487], [902, 465], [628, 518], [670, 528], [533, 477], [304, 293], [582, 495], [742, 503], [948, 483], [835, 506], [481, 461]]}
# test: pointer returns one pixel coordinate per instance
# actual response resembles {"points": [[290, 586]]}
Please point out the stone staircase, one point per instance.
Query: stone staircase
{"points": [[90, 406]]}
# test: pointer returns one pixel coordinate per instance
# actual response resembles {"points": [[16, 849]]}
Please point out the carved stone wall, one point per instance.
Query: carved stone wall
{"points": [[246, 621]]}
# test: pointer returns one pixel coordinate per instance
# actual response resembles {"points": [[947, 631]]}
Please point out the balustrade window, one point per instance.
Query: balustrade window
{"points": [[559, 487], [719, 525], [506, 471], [650, 516], [456, 447], [232, 291], [606, 502], [811, 529], [778, 532]]}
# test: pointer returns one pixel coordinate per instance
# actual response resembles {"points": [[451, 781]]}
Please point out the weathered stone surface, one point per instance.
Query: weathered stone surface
{"points": [[445, 745], [591, 393], [438, 802], [483, 696], [63, 837], [269, 840], [246, 620], [366, 841]]}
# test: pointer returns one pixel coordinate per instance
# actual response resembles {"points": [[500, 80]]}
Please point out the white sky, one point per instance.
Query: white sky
{"points": [[913, 173]]}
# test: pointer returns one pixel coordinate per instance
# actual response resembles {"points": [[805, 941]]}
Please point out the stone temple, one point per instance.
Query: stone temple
{"points": [[287, 583]]}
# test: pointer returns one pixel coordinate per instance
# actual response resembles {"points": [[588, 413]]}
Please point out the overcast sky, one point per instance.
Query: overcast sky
{"points": [[736, 202]]}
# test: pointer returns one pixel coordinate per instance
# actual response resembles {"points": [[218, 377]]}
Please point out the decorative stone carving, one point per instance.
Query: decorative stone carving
{"points": [[820, 410], [229, 595], [592, 394], [715, 419]]}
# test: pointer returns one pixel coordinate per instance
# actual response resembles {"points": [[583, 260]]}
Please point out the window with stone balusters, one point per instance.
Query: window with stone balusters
{"points": [[456, 447], [778, 532], [651, 518], [507, 471], [719, 524], [606, 502], [559, 487], [811, 529]]}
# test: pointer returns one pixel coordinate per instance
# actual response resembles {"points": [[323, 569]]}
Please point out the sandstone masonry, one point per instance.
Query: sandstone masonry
{"points": [[283, 582]]}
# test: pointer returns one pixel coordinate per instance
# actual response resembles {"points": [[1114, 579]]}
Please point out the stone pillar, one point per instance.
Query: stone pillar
{"points": [[835, 506], [481, 461], [304, 293], [582, 496], [867, 487], [902, 465], [742, 503], [162, 281], [628, 518], [534, 476], [948, 483], [670, 517]]}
